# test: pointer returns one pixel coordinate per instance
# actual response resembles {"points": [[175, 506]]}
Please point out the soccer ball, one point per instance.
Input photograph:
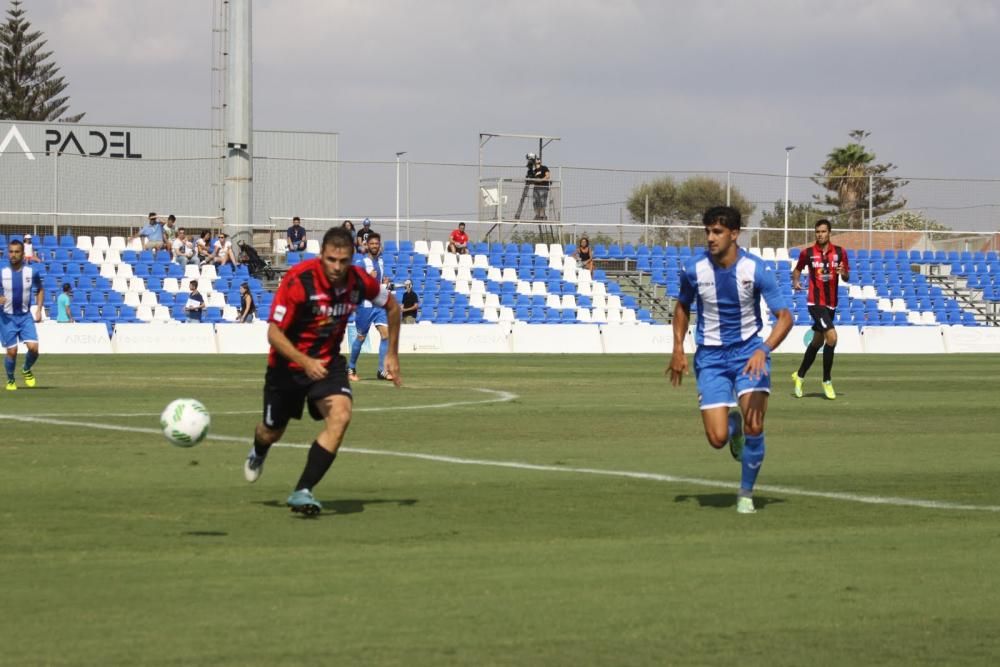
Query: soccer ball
{"points": [[185, 422]]}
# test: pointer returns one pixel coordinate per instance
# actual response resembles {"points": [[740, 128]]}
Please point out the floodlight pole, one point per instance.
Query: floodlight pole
{"points": [[788, 159], [399, 154]]}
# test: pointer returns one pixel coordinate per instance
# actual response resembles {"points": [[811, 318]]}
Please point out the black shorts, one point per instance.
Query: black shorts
{"points": [[822, 318], [285, 393]]}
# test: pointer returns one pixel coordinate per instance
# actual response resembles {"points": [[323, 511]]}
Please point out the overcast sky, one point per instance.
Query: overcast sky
{"points": [[674, 85]]}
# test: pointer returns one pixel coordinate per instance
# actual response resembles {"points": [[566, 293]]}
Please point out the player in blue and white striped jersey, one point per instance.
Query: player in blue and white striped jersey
{"points": [[732, 363], [367, 315], [17, 322]]}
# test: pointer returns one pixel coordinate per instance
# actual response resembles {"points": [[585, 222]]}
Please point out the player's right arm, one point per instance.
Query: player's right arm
{"points": [[682, 318], [797, 272], [289, 297]]}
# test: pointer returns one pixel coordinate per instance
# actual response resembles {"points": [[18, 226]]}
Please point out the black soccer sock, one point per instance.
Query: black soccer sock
{"points": [[259, 448], [808, 359], [317, 463], [827, 361]]}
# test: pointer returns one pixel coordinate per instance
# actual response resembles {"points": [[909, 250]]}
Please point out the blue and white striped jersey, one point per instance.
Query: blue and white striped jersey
{"points": [[729, 299], [17, 287], [373, 267]]}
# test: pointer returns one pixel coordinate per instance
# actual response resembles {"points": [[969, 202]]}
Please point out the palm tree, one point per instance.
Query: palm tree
{"points": [[848, 172]]}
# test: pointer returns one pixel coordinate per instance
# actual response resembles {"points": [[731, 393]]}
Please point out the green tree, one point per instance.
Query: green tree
{"points": [[672, 203], [846, 175], [909, 221], [30, 85], [801, 222]]}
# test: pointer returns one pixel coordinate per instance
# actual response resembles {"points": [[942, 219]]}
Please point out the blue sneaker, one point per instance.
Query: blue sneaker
{"points": [[253, 467], [302, 501], [737, 439]]}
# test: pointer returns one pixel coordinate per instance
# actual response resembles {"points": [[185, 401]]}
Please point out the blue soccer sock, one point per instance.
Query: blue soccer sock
{"points": [[383, 347], [9, 363], [30, 359], [751, 460], [355, 352]]}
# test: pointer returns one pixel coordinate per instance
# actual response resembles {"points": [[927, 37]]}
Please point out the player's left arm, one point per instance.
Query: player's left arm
{"points": [[775, 300], [843, 266], [40, 303]]}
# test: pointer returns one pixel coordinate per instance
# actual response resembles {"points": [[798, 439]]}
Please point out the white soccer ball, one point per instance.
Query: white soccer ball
{"points": [[185, 422]]}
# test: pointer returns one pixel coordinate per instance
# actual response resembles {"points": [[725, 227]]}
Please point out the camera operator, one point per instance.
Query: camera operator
{"points": [[538, 176]]}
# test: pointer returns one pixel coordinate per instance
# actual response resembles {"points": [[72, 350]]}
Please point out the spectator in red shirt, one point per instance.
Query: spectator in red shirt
{"points": [[458, 242], [308, 318], [827, 264]]}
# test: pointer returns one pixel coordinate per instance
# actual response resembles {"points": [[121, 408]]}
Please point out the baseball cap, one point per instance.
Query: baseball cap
{"points": [[367, 222]]}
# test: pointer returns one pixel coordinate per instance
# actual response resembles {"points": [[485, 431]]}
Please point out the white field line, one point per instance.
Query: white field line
{"points": [[498, 397], [654, 477]]}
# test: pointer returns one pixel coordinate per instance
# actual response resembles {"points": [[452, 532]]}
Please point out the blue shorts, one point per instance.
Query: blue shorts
{"points": [[17, 327], [719, 371], [365, 318]]}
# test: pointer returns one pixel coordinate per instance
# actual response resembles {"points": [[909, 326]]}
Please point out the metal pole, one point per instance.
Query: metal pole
{"points": [[398, 155], [788, 161], [728, 188], [238, 192], [407, 200], [871, 208]]}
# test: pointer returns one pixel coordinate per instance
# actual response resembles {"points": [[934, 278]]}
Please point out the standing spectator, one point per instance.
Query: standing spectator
{"points": [[585, 254], [17, 321], [203, 248], [311, 309], [539, 176], [152, 234], [224, 251], [248, 308], [411, 303], [195, 305], [296, 236], [732, 364], [458, 242], [827, 264], [30, 256], [182, 249], [64, 304], [361, 241]]}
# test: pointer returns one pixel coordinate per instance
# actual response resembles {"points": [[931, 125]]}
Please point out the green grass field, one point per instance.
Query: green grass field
{"points": [[874, 542]]}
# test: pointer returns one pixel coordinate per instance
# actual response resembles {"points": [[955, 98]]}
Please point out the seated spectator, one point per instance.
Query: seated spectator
{"points": [[248, 309], [584, 254], [29, 250], [182, 250], [296, 236], [458, 242], [152, 234], [169, 231], [411, 304], [224, 251], [64, 304], [195, 305], [203, 248]]}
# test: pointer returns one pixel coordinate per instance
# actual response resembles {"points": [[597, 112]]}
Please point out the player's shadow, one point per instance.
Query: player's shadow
{"points": [[723, 500], [819, 394], [334, 507]]}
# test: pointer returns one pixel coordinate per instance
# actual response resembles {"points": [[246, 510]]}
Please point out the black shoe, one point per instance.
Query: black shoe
{"points": [[384, 376]]}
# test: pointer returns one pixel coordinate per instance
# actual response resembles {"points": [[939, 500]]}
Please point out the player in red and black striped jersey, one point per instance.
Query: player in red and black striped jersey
{"points": [[827, 264], [308, 318]]}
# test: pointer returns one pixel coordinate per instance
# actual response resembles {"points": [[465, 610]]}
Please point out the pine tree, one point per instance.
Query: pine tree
{"points": [[30, 85]]}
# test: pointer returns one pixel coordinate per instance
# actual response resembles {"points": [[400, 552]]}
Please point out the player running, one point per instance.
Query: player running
{"points": [[732, 364], [366, 315], [308, 319], [827, 264], [17, 322]]}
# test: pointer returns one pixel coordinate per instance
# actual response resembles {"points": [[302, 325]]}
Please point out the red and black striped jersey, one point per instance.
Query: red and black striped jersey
{"points": [[824, 276], [314, 314]]}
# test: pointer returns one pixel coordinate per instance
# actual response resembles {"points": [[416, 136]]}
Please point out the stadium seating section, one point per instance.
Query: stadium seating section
{"points": [[538, 283]]}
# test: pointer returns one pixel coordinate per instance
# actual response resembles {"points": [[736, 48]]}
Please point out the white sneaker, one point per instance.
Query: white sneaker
{"points": [[744, 505], [253, 466]]}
